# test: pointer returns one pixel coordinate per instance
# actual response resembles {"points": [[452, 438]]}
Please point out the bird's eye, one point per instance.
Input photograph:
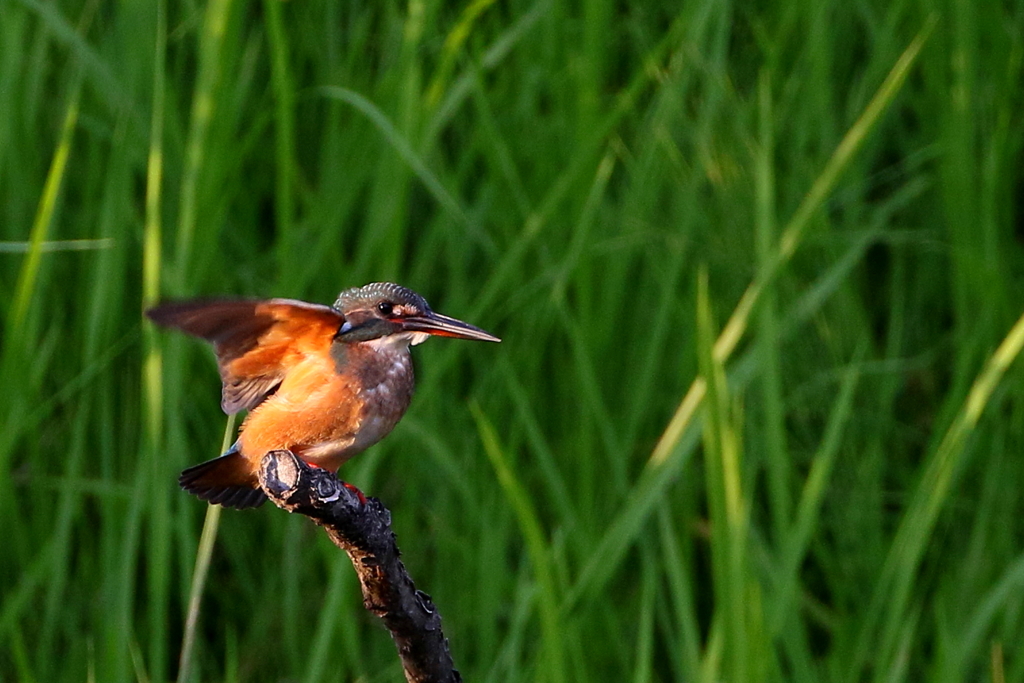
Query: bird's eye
{"points": [[385, 307]]}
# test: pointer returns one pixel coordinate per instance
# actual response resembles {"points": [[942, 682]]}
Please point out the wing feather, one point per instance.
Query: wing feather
{"points": [[256, 341]]}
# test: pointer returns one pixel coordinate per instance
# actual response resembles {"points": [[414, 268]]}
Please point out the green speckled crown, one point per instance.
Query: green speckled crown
{"points": [[375, 292]]}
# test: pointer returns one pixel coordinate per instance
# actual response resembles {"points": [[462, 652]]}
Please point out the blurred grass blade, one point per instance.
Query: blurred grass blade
{"points": [[727, 507], [404, 148], [680, 578], [777, 464], [621, 531], [204, 103], [492, 56], [453, 43], [29, 272], [195, 595], [158, 543], [18, 343], [55, 246], [340, 586], [284, 128], [643, 664], [891, 596], [19, 598], [668, 453], [808, 511], [85, 54], [557, 173], [796, 229], [533, 534], [792, 235], [999, 599], [202, 568]]}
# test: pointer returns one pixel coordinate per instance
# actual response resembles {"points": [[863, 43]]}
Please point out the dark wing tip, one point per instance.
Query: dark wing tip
{"points": [[239, 497], [162, 313], [233, 326], [173, 312], [206, 317], [223, 481], [236, 497]]}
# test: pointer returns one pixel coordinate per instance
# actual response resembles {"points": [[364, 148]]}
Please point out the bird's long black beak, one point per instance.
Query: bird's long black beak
{"points": [[443, 326]]}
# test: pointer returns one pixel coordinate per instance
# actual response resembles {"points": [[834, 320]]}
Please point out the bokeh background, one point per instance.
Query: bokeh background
{"points": [[828, 491]]}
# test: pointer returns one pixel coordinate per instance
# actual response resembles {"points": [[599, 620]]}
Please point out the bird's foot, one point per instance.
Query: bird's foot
{"points": [[350, 487], [353, 489]]}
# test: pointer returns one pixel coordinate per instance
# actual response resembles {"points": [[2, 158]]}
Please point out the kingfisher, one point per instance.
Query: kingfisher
{"points": [[324, 382]]}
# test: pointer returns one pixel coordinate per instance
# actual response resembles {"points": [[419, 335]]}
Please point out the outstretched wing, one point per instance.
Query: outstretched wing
{"points": [[256, 341]]}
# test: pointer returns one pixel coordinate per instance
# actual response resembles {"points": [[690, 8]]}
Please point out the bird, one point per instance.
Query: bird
{"points": [[324, 382]]}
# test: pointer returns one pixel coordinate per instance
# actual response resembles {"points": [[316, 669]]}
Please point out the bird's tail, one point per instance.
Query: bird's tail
{"points": [[227, 480]]}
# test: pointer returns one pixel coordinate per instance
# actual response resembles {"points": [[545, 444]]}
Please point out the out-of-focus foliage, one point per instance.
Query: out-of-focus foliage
{"points": [[563, 175]]}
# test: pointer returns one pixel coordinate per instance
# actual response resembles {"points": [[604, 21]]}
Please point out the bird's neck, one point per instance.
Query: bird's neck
{"points": [[384, 368]]}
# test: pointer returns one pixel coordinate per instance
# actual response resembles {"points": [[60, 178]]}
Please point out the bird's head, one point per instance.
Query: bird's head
{"points": [[385, 310]]}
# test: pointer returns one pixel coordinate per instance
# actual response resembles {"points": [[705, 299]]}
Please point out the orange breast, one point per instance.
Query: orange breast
{"points": [[325, 417], [314, 405]]}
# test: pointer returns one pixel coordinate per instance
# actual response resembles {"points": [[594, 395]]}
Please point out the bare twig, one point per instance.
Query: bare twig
{"points": [[363, 530]]}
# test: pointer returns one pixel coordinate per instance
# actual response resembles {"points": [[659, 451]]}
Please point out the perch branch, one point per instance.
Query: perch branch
{"points": [[363, 530]]}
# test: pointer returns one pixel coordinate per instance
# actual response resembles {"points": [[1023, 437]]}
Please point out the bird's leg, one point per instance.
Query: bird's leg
{"points": [[350, 487], [353, 489]]}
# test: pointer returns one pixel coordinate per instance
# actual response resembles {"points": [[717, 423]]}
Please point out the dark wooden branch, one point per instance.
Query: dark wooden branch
{"points": [[363, 530]]}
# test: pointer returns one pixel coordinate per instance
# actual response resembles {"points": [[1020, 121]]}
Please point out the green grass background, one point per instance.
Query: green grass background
{"points": [[834, 187]]}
